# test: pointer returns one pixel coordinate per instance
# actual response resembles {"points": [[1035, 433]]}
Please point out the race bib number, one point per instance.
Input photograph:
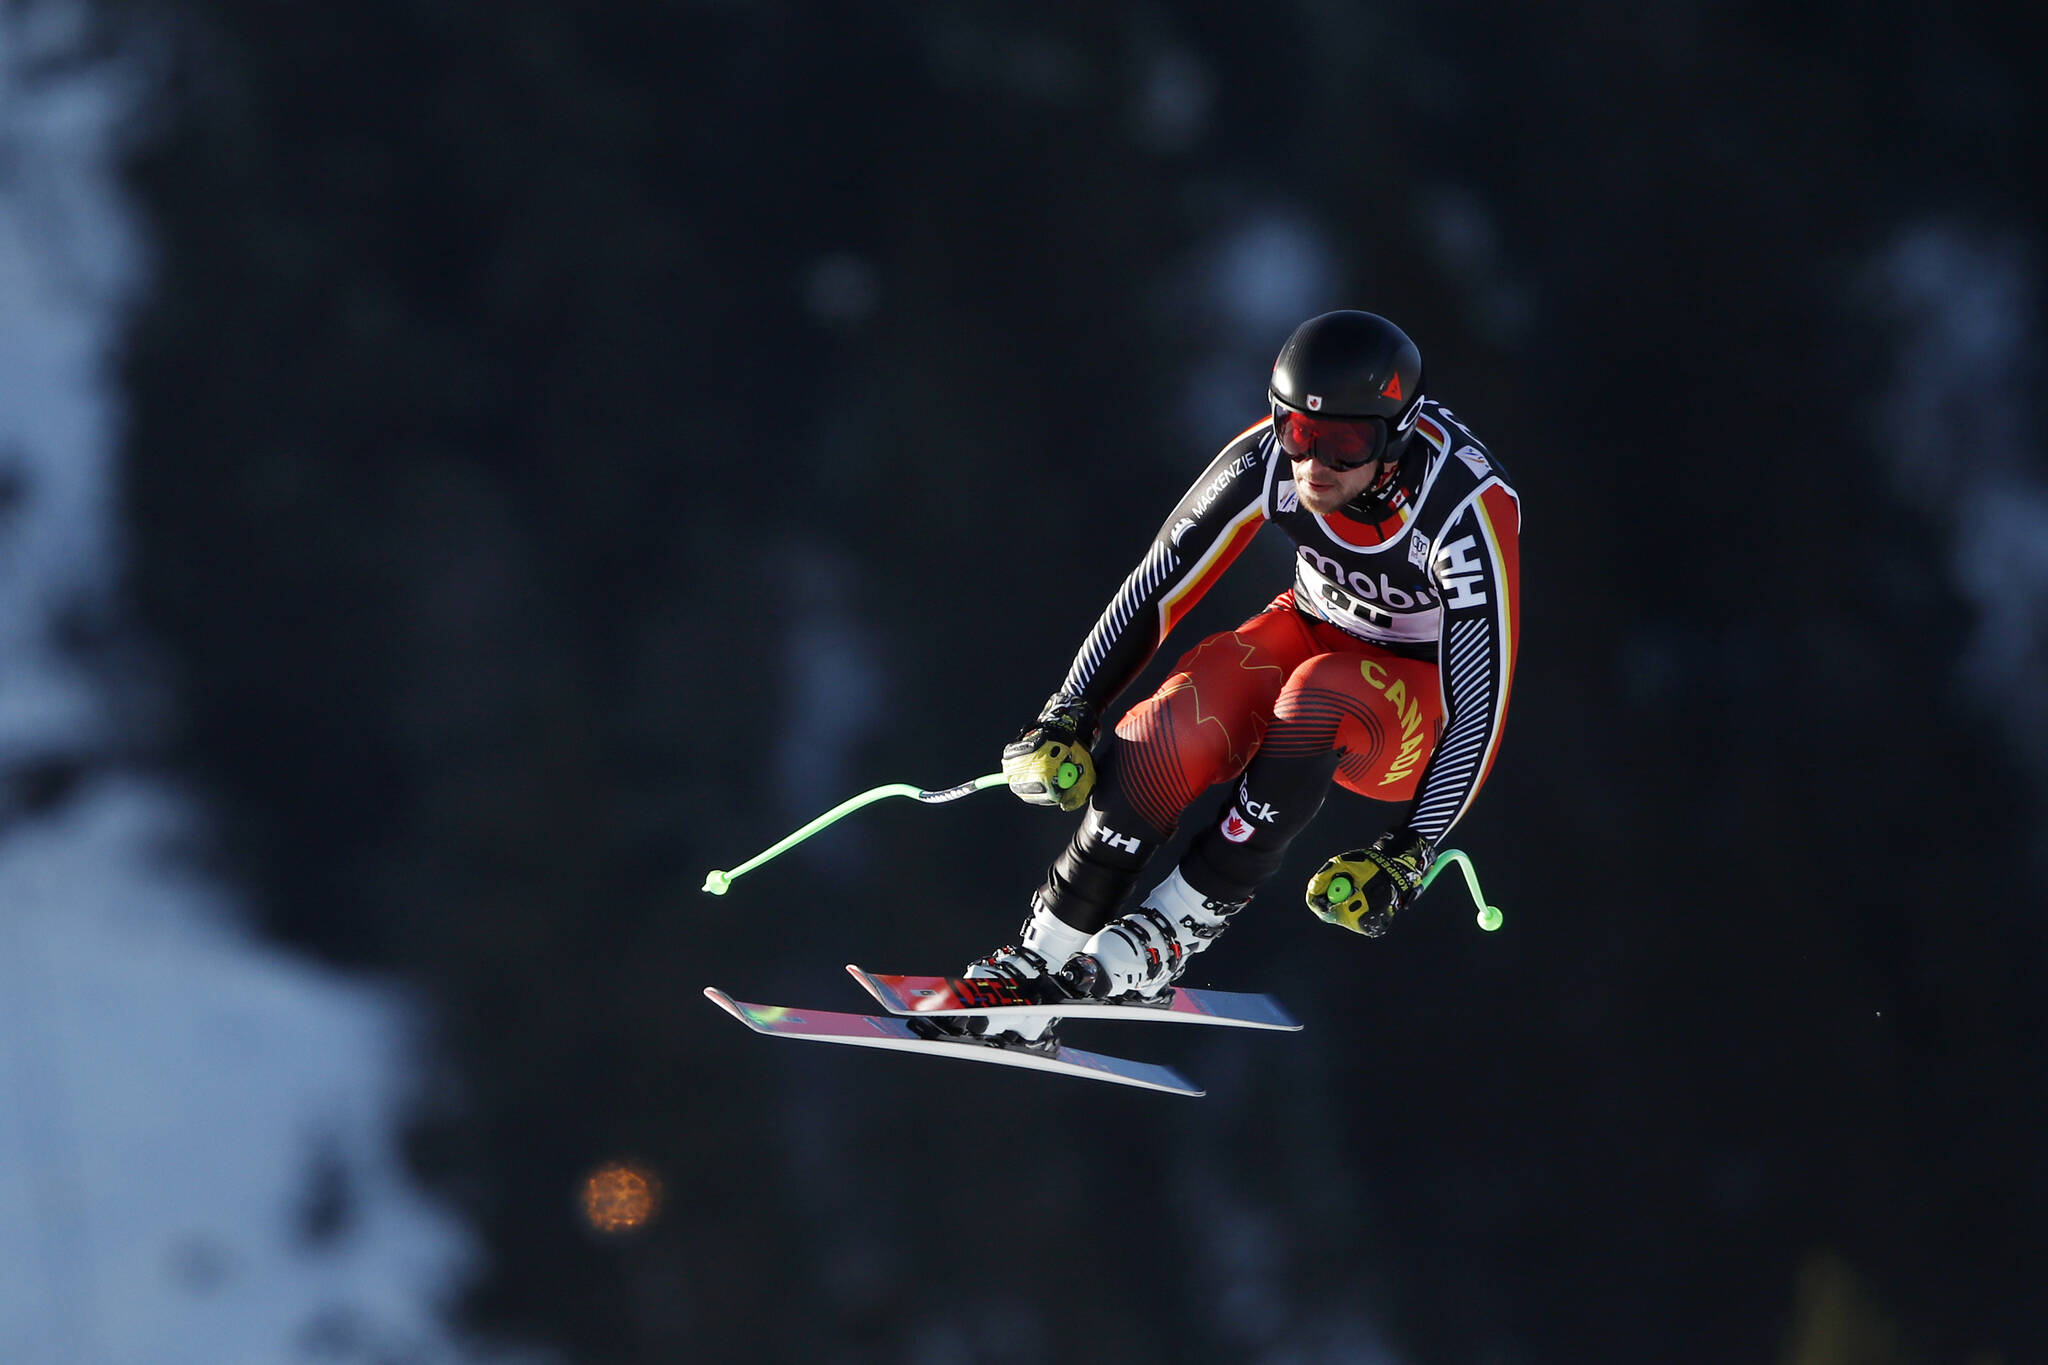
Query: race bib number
{"points": [[1371, 610]]}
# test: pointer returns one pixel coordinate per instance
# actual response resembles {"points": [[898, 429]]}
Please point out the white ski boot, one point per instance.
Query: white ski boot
{"points": [[1032, 965], [1143, 953]]}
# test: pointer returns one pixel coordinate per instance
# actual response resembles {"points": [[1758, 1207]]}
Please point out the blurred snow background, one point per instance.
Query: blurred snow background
{"points": [[1958, 426], [198, 1132]]}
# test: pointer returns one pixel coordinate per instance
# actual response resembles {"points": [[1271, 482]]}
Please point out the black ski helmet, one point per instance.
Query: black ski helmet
{"points": [[1356, 365]]}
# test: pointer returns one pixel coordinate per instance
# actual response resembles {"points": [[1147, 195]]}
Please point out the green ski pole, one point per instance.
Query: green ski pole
{"points": [[718, 882], [1489, 915]]}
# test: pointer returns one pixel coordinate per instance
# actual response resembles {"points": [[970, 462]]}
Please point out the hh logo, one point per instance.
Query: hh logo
{"points": [[1261, 811], [1235, 827], [1127, 842], [1461, 573]]}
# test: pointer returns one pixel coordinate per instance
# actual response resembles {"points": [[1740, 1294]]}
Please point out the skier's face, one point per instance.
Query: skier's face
{"points": [[1323, 490]]}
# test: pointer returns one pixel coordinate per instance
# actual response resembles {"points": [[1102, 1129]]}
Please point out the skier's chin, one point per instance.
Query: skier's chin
{"points": [[1323, 490], [1321, 501]]}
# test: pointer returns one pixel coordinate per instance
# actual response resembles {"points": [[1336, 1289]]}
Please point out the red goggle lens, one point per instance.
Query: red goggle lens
{"points": [[1337, 442]]}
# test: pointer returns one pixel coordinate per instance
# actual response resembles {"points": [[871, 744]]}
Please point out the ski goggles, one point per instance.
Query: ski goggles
{"points": [[1342, 443]]}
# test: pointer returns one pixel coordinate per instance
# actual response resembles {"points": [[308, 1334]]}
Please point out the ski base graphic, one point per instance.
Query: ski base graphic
{"points": [[888, 1031]]}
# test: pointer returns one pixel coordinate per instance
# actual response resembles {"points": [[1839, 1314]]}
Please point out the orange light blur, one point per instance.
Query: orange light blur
{"points": [[620, 1197]]}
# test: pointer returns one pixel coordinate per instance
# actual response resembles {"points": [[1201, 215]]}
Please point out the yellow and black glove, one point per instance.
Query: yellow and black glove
{"points": [[1363, 890], [1048, 764]]}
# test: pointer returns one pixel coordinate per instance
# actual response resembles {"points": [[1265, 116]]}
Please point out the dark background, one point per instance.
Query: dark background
{"points": [[569, 445]]}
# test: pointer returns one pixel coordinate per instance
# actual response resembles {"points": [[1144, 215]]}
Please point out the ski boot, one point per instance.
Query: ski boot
{"points": [[1033, 968], [1138, 958]]}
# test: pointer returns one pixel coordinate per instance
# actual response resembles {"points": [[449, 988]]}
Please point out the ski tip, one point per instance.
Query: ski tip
{"points": [[729, 1005], [867, 983]]}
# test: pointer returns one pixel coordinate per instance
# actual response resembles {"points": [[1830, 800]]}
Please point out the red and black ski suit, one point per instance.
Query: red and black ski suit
{"points": [[1386, 666]]}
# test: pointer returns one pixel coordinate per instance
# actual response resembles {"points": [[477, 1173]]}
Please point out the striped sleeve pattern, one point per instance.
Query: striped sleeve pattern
{"points": [[1139, 591], [1453, 768], [1478, 568], [1206, 531]]}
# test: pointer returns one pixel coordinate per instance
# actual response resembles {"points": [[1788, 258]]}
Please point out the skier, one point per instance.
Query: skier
{"points": [[1386, 667]]}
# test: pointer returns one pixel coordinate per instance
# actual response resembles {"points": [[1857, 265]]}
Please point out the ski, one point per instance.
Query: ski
{"points": [[887, 1031], [915, 995]]}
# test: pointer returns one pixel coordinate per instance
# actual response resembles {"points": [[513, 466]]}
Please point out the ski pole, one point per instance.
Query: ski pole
{"points": [[1489, 915], [717, 882]]}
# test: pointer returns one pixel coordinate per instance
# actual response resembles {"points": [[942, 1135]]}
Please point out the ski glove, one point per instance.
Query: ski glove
{"points": [[1048, 764], [1363, 890]]}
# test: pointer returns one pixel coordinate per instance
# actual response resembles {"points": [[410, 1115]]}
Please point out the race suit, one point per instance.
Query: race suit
{"points": [[1386, 667]]}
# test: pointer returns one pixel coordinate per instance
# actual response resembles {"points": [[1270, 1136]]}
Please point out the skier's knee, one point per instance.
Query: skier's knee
{"points": [[1313, 686], [1183, 743]]}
